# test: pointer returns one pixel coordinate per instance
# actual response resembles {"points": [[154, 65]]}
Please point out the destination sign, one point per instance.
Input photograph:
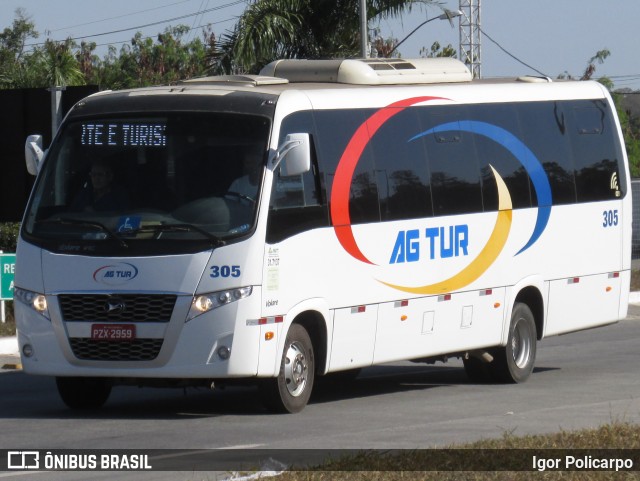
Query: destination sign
{"points": [[123, 134]]}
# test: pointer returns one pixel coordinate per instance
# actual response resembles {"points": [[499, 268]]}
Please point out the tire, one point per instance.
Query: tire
{"points": [[290, 391], [83, 392], [514, 362]]}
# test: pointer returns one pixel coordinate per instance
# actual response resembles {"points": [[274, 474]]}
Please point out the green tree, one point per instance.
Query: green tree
{"points": [[631, 131], [52, 63], [149, 61], [12, 50], [13, 40], [58, 65], [272, 29], [437, 51]]}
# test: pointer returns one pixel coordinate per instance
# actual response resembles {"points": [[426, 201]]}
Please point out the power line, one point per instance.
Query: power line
{"points": [[152, 36], [511, 55], [119, 16], [231, 4], [203, 6]]}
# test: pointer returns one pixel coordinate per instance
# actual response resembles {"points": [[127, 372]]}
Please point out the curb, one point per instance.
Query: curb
{"points": [[12, 367]]}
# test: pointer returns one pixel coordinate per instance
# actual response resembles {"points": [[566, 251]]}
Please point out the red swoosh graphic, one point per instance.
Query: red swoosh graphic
{"points": [[340, 217]]}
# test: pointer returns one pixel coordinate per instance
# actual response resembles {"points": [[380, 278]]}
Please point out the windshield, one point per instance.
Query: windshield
{"points": [[180, 182]]}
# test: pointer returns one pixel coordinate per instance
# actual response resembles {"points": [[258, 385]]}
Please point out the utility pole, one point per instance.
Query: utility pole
{"points": [[364, 30], [470, 49], [56, 110]]}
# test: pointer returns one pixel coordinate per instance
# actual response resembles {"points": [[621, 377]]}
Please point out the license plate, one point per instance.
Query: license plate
{"points": [[113, 332]]}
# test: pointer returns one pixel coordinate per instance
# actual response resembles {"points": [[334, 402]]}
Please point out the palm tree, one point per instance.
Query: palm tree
{"points": [[59, 66], [272, 29]]}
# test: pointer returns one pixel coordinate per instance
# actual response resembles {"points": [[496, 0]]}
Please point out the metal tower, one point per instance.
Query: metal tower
{"points": [[470, 51]]}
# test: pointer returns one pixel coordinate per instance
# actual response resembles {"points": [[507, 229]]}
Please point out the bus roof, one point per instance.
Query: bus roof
{"points": [[323, 80]]}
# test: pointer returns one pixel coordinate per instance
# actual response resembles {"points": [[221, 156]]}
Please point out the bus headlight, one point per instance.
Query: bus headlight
{"points": [[34, 300], [207, 302]]}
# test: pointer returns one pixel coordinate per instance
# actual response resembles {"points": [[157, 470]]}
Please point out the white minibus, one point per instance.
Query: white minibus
{"points": [[318, 218]]}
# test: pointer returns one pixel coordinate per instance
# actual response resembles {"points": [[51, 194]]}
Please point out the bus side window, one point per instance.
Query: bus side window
{"points": [[296, 201], [596, 158], [492, 154], [335, 129], [545, 131], [453, 162], [401, 168]]}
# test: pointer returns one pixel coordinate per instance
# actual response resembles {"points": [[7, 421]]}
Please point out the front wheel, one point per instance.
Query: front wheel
{"points": [[290, 391], [514, 362], [83, 392]]}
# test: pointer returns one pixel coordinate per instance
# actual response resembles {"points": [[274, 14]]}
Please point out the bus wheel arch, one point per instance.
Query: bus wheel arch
{"points": [[532, 297]]}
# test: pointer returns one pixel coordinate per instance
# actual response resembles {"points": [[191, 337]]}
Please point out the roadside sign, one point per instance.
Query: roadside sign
{"points": [[7, 274]]}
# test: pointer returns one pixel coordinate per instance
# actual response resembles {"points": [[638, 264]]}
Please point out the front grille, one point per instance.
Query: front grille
{"points": [[117, 308], [136, 350]]}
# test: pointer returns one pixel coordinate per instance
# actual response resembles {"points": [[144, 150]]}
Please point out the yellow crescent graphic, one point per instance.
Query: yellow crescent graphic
{"points": [[487, 256]]}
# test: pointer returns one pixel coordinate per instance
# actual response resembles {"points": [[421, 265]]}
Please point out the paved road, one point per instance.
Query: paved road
{"points": [[581, 380]]}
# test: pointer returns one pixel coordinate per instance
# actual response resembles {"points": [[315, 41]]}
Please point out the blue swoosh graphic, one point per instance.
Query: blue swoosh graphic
{"points": [[521, 152]]}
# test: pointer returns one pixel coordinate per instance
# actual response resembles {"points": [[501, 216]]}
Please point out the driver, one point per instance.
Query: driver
{"points": [[100, 194], [247, 184]]}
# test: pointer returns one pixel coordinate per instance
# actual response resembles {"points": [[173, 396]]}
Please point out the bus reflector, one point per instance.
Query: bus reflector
{"points": [[403, 318], [486, 292], [608, 289], [446, 297], [614, 275], [268, 335], [265, 320], [359, 309], [574, 280]]}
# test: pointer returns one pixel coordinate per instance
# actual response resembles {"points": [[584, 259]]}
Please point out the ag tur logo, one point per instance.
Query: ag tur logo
{"points": [[115, 274]]}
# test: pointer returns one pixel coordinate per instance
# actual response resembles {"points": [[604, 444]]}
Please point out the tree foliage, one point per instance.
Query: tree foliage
{"points": [[437, 51], [312, 29], [267, 30]]}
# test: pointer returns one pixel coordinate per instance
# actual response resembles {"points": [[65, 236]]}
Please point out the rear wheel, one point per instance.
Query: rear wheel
{"points": [[83, 392], [290, 391], [514, 362]]}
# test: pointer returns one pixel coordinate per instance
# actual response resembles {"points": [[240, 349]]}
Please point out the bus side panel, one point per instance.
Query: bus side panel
{"points": [[437, 325], [568, 310], [354, 332], [586, 285]]}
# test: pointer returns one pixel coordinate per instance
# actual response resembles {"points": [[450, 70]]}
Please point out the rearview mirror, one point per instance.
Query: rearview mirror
{"points": [[294, 155], [33, 153]]}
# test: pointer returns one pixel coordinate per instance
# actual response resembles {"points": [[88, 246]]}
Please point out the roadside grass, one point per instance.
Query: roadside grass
{"points": [[405, 466]]}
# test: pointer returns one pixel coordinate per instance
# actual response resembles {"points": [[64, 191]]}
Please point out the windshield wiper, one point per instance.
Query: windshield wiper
{"points": [[216, 241], [93, 223]]}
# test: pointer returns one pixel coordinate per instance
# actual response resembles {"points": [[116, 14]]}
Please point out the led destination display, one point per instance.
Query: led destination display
{"points": [[123, 134]]}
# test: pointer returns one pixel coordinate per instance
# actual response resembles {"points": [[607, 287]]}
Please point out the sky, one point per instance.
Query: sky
{"points": [[552, 36]]}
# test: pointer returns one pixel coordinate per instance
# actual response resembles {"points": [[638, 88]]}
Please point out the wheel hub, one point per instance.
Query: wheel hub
{"points": [[296, 369]]}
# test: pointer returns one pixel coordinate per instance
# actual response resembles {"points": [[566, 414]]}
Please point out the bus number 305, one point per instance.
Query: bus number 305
{"points": [[610, 218], [225, 271]]}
